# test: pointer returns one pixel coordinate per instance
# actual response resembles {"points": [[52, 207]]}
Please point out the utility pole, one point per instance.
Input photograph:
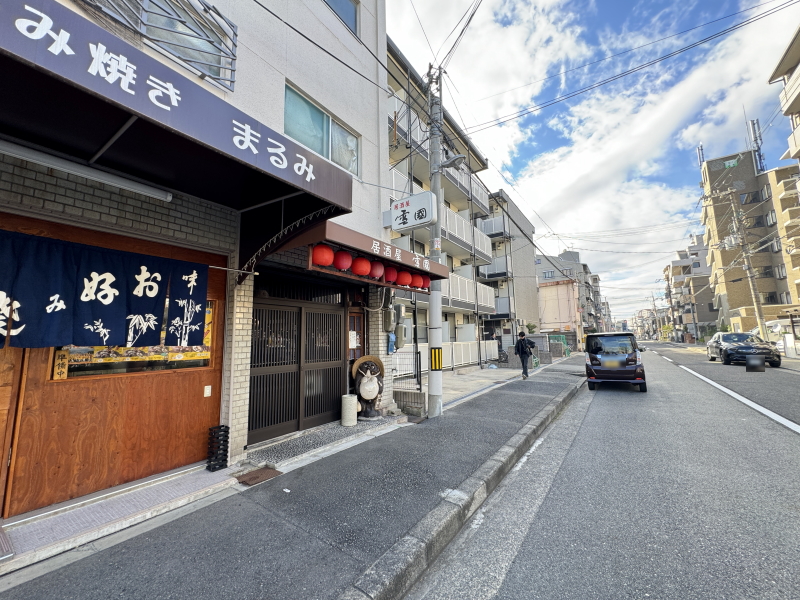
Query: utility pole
{"points": [[741, 236], [435, 308], [694, 315], [655, 312]]}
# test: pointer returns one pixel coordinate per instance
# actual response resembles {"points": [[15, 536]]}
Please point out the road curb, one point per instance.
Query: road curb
{"points": [[393, 574]]}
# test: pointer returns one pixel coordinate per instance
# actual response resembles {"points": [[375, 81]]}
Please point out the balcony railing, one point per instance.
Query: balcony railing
{"points": [[790, 95], [495, 226], [500, 265], [457, 226], [399, 184], [463, 289], [504, 305]]}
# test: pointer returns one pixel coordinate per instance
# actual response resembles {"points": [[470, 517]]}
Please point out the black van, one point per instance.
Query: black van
{"points": [[614, 357]]}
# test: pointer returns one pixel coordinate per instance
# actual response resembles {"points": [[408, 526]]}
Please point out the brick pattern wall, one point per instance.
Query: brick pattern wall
{"points": [[378, 346], [236, 374], [35, 190]]}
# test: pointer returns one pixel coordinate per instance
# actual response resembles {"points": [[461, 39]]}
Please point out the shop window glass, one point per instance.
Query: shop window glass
{"points": [[81, 361]]}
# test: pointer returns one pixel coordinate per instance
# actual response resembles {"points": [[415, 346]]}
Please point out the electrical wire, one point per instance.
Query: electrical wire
{"points": [[561, 73], [421, 26], [538, 107], [450, 53]]}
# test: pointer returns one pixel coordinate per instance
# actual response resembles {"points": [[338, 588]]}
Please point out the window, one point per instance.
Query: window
{"points": [[347, 11], [764, 272], [757, 221], [567, 272], [786, 298], [695, 265], [766, 192], [549, 274], [109, 360], [768, 297], [780, 271], [776, 245], [538, 261], [194, 31], [771, 218], [750, 198], [315, 129]]}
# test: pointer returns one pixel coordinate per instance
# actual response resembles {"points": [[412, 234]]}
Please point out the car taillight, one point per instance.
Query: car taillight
{"points": [[588, 359], [638, 358], [592, 360]]}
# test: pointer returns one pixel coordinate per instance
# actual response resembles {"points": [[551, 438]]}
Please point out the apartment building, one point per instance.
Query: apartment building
{"points": [[787, 206], [472, 259], [205, 149], [570, 300], [688, 293], [764, 199], [512, 272]]}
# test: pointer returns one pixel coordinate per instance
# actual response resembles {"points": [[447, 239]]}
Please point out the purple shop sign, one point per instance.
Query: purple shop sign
{"points": [[70, 47]]}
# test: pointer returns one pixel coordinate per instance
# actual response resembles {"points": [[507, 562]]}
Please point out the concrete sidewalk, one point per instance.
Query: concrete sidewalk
{"points": [[359, 523]]}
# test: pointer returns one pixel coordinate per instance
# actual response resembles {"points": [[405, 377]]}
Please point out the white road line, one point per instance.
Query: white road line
{"points": [[669, 359], [766, 412]]}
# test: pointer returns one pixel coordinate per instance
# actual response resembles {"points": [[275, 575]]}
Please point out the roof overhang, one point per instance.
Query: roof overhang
{"points": [[195, 146], [369, 247], [789, 60]]}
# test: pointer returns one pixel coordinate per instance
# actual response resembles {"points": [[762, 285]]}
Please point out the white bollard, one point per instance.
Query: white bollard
{"points": [[349, 410]]}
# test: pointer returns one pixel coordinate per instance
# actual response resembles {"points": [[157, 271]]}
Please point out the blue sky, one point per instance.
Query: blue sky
{"points": [[620, 156]]}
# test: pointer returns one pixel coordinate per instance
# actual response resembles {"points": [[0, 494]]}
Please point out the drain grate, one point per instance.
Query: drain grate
{"points": [[258, 476]]}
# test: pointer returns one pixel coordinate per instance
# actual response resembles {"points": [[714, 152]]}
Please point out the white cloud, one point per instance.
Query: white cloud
{"points": [[624, 145]]}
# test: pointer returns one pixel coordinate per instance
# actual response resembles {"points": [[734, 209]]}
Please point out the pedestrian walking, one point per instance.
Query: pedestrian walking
{"points": [[524, 348]]}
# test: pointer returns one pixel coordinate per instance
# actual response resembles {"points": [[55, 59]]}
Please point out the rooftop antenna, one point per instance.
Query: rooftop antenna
{"points": [[701, 157], [755, 134]]}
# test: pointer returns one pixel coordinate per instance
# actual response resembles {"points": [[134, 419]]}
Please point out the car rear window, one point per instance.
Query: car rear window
{"points": [[739, 338], [612, 344]]}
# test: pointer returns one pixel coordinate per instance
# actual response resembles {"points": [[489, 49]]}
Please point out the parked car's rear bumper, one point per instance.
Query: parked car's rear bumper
{"points": [[631, 374]]}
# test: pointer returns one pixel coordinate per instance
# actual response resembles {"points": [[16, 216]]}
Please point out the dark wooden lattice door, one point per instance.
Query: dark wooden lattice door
{"points": [[297, 370]]}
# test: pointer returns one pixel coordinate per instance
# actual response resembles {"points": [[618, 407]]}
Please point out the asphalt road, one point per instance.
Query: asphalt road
{"points": [[682, 492], [775, 389]]}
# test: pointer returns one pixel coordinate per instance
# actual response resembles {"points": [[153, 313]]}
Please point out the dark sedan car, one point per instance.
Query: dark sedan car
{"points": [[737, 347], [614, 357]]}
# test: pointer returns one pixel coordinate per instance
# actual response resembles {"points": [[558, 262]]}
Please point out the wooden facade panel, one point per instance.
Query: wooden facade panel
{"points": [[10, 368], [83, 434]]}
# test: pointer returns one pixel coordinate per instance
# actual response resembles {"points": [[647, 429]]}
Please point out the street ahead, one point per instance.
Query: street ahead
{"points": [[682, 492]]}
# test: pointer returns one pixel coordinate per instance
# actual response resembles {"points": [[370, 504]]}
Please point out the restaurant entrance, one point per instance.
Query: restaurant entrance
{"points": [[298, 359]]}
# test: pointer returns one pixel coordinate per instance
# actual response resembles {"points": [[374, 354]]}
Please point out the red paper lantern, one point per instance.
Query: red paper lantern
{"points": [[403, 278], [376, 270], [342, 260], [416, 281], [390, 274], [322, 255], [426, 281], [361, 266]]}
